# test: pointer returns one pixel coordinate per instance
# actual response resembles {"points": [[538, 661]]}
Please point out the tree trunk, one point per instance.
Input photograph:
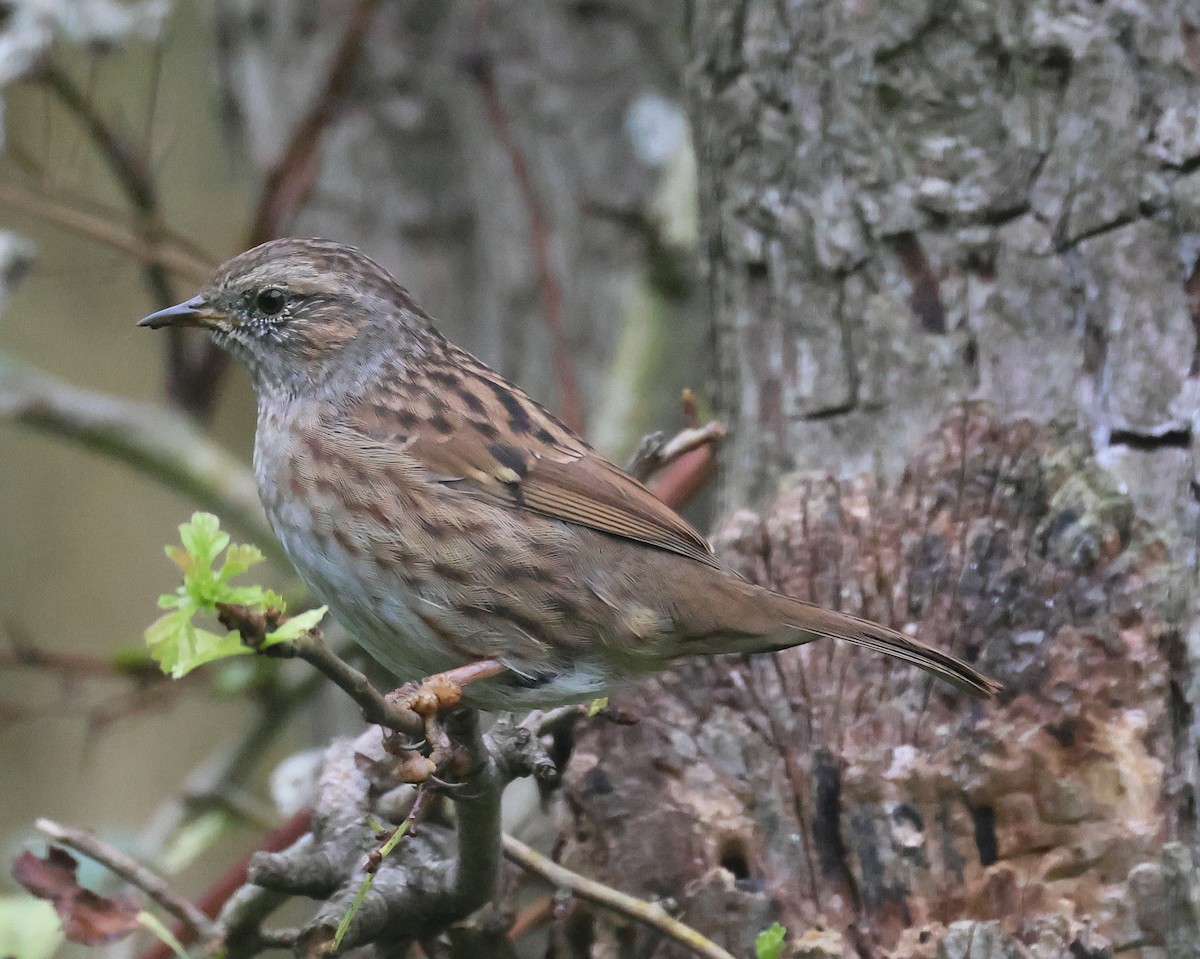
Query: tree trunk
{"points": [[906, 205]]}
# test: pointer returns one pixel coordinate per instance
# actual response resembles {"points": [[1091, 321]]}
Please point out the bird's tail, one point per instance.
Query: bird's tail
{"points": [[861, 632]]}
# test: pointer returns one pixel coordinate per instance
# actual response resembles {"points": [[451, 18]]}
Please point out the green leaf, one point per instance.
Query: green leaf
{"points": [[768, 944], [596, 706], [238, 558], [296, 626], [153, 924], [173, 639], [181, 558], [203, 538], [254, 596], [179, 647], [273, 600]]}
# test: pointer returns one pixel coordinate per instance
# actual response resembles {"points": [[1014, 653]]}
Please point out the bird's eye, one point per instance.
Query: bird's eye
{"points": [[271, 301]]}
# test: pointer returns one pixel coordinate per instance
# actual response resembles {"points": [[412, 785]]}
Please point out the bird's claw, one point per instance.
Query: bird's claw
{"points": [[427, 699]]}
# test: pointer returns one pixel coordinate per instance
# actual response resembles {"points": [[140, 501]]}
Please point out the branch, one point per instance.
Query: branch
{"points": [[250, 908], [163, 445], [126, 163], [22, 653], [193, 365], [154, 886], [420, 889], [102, 227], [569, 396], [429, 881], [253, 627], [678, 468], [648, 913], [290, 181]]}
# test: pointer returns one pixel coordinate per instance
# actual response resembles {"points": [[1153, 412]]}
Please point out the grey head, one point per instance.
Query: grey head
{"points": [[298, 312]]}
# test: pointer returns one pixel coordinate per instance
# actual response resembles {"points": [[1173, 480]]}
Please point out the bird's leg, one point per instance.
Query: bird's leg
{"points": [[427, 699], [443, 690]]}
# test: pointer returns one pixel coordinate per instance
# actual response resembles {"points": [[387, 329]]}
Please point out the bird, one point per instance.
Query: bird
{"points": [[452, 524]]}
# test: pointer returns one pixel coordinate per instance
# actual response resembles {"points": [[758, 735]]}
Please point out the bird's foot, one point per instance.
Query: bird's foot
{"points": [[428, 698]]}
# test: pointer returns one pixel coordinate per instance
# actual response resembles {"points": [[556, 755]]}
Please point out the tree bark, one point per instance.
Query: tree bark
{"points": [[907, 205]]}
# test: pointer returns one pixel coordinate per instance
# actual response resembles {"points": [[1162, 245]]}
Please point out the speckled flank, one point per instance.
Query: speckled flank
{"points": [[446, 517]]}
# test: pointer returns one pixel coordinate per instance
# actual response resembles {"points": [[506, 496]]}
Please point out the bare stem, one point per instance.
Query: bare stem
{"points": [[153, 885], [376, 707], [161, 444], [648, 913], [104, 228], [290, 181]]}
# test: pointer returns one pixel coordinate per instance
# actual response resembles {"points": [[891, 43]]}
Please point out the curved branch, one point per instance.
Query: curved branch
{"points": [[104, 229], [648, 913], [160, 444], [192, 365], [133, 872]]}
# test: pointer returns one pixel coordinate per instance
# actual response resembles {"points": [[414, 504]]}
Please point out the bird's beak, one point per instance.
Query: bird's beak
{"points": [[193, 312]]}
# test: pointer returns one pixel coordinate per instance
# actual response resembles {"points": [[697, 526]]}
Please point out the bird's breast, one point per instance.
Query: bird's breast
{"points": [[345, 533]]}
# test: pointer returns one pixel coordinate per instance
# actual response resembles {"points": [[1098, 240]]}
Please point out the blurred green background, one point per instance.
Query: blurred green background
{"points": [[82, 560]]}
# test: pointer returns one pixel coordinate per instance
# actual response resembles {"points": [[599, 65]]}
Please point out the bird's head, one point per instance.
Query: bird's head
{"points": [[292, 309]]}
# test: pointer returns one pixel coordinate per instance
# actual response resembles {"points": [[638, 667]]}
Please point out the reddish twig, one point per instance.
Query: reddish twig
{"points": [[553, 310], [290, 181], [533, 916], [678, 468], [685, 477]]}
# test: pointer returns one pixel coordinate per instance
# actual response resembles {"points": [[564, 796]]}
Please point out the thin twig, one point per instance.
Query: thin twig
{"points": [[570, 398], [154, 886], [127, 164], [655, 452], [312, 648], [193, 366], [290, 181], [678, 483], [22, 652], [376, 857], [106, 231], [648, 913], [233, 879], [159, 443]]}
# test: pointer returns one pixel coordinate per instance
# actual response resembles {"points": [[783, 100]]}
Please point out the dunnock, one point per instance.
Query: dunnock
{"points": [[449, 521]]}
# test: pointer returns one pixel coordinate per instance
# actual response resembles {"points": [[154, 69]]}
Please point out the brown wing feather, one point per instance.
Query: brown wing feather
{"points": [[591, 491], [537, 463]]}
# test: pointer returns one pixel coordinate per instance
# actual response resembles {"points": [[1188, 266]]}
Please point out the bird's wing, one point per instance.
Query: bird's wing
{"points": [[485, 436]]}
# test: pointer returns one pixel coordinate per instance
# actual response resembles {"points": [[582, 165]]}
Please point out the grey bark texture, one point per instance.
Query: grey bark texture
{"points": [[903, 206], [907, 203]]}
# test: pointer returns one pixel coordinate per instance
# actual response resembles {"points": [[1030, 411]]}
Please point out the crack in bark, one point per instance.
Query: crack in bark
{"points": [[1173, 438]]}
